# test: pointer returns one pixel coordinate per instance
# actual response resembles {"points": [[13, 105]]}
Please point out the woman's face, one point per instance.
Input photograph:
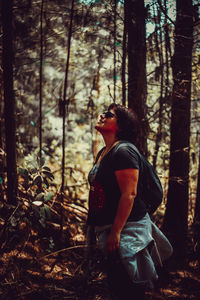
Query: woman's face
{"points": [[107, 122]]}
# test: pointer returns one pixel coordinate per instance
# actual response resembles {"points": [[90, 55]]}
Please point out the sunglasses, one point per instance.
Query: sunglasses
{"points": [[108, 114]]}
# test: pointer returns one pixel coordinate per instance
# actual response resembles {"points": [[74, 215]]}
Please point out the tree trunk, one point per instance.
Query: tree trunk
{"points": [[1, 107], [114, 50], [64, 103], [9, 101], [41, 77], [159, 49], [196, 221], [2, 161], [176, 217], [135, 15], [197, 204], [124, 53]]}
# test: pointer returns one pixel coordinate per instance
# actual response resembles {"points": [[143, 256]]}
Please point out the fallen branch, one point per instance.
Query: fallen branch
{"points": [[65, 249]]}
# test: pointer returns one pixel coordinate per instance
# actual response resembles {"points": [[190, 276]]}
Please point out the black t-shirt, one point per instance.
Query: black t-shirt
{"points": [[105, 193]]}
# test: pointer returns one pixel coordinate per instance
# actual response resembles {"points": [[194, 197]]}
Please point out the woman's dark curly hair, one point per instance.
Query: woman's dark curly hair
{"points": [[128, 124]]}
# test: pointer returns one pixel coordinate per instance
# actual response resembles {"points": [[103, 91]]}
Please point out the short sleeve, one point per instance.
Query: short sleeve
{"points": [[125, 157]]}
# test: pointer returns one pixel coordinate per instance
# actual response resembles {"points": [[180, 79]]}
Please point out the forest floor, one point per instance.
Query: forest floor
{"points": [[30, 272], [36, 263]]}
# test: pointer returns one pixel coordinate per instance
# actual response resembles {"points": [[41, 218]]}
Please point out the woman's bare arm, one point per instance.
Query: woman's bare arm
{"points": [[127, 180]]}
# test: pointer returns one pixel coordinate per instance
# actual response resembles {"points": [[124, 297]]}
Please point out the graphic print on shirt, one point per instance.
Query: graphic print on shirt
{"points": [[96, 197]]}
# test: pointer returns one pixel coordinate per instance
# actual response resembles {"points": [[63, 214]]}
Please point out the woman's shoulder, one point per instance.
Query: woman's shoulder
{"points": [[125, 155], [124, 146], [126, 149]]}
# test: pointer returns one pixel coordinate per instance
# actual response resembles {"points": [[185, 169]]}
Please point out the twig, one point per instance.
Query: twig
{"points": [[65, 249], [13, 212], [164, 12]]}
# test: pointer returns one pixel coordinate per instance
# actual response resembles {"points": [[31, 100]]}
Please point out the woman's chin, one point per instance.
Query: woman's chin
{"points": [[99, 127]]}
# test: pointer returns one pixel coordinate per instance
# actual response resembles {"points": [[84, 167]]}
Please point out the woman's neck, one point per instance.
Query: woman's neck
{"points": [[109, 141]]}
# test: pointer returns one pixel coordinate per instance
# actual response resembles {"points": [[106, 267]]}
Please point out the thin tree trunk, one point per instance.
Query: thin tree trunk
{"points": [[167, 51], [1, 138], [159, 50], [175, 221], [64, 110], [41, 77], [91, 106], [1, 108], [124, 53], [137, 63], [197, 203], [114, 49], [196, 221], [167, 55], [9, 100]]}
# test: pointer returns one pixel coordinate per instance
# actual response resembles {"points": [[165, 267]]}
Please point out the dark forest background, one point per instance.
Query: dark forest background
{"points": [[62, 64]]}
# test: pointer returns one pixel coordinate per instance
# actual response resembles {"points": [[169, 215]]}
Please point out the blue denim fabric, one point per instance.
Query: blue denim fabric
{"points": [[142, 247]]}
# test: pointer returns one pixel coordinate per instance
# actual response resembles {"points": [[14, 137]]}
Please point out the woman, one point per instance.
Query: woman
{"points": [[125, 233]]}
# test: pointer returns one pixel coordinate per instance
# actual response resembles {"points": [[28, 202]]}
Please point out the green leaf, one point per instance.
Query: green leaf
{"points": [[48, 196], [46, 168], [48, 174], [118, 44], [82, 120], [47, 211], [23, 172], [46, 182], [33, 171], [42, 212], [116, 77], [39, 197], [37, 203], [37, 180], [1, 180]]}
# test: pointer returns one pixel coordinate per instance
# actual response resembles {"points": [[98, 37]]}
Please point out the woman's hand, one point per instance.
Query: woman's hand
{"points": [[113, 241]]}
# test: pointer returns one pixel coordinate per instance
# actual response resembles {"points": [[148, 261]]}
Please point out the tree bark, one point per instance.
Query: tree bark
{"points": [[197, 204], [159, 49], [124, 53], [9, 100], [196, 221], [65, 103], [135, 15], [2, 161], [114, 50], [1, 107], [176, 216], [41, 77]]}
